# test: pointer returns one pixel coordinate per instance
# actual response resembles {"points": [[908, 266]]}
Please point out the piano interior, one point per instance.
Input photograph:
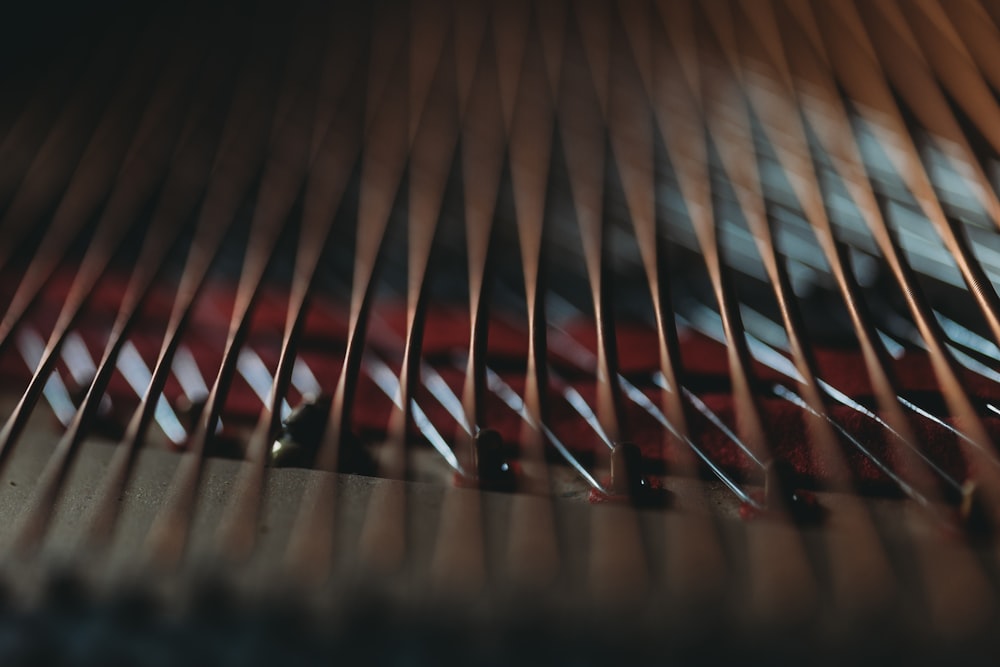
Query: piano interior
{"points": [[499, 331]]}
